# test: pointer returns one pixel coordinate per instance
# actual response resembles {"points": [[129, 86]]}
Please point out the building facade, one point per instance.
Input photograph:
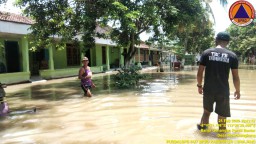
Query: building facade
{"points": [[18, 64]]}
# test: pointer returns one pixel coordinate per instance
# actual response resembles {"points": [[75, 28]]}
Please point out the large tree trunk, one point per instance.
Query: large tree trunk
{"points": [[131, 52]]}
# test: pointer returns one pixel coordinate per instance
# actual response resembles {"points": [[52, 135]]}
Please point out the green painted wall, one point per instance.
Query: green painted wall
{"points": [[98, 55], [60, 58], [93, 57], [10, 78], [17, 77], [121, 61], [189, 59], [21, 55], [107, 66], [114, 55], [25, 54], [2, 51], [59, 73]]}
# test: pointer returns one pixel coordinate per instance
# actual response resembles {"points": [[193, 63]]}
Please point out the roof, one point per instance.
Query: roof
{"points": [[142, 45], [102, 30], [11, 17]]}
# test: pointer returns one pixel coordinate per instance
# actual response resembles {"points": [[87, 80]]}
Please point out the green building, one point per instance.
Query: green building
{"points": [[19, 64]]}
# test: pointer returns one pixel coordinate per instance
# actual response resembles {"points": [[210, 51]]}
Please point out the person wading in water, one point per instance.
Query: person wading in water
{"points": [[85, 76], [217, 63]]}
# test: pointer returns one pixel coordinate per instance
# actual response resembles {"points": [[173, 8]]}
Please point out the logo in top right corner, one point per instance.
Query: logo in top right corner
{"points": [[242, 13]]}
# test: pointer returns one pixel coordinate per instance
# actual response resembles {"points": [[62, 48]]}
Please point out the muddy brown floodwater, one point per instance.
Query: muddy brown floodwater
{"points": [[166, 107]]}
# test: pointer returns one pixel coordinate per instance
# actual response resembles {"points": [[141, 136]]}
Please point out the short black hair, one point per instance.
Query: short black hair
{"points": [[223, 36]]}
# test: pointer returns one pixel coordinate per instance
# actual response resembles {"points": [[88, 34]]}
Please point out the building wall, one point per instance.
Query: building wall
{"points": [[93, 57], [23, 75], [155, 57], [60, 58], [2, 49], [114, 57], [98, 54], [144, 56], [14, 28]]}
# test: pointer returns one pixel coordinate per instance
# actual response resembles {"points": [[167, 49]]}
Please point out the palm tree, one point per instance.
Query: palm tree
{"points": [[207, 2]]}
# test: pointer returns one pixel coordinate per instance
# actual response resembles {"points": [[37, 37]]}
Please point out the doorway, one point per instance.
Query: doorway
{"points": [[12, 56], [38, 61]]}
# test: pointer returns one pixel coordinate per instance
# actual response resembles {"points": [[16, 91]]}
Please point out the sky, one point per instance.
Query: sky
{"points": [[220, 13]]}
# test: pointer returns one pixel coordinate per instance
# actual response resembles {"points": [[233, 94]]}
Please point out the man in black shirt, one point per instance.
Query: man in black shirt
{"points": [[217, 63]]}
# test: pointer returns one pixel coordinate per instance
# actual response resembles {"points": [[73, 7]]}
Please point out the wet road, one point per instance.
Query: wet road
{"points": [[166, 107]]}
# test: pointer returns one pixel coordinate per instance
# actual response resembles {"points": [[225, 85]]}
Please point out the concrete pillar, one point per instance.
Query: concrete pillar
{"points": [[81, 51], [98, 55], [51, 61], [107, 57], [2, 52], [25, 54], [150, 60], [121, 60], [139, 64]]}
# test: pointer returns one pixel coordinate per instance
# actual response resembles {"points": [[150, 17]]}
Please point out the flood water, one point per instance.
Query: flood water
{"points": [[166, 107]]}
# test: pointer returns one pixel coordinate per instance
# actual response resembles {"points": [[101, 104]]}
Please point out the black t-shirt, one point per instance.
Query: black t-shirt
{"points": [[218, 62]]}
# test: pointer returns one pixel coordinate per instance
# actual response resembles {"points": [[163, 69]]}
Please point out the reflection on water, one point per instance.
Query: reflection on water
{"points": [[167, 106]]}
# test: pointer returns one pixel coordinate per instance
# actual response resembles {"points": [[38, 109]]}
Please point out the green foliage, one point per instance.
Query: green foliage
{"points": [[58, 22], [243, 39], [191, 29], [1, 44], [128, 77], [194, 30]]}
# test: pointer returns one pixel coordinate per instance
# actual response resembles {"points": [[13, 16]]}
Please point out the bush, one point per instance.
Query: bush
{"points": [[128, 77]]}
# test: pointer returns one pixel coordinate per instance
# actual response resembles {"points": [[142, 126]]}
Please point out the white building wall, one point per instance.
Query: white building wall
{"points": [[14, 28]]}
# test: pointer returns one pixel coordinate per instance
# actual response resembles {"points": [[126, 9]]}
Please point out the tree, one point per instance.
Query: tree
{"points": [[131, 18], [243, 39], [66, 18], [194, 33], [207, 2]]}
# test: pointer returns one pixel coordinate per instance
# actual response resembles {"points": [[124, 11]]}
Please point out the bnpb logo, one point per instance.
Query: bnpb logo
{"points": [[242, 13]]}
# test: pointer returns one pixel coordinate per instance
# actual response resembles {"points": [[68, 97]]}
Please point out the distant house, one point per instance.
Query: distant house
{"points": [[146, 55]]}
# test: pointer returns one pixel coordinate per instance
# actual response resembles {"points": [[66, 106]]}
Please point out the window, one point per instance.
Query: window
{"points": [[73, 55]]}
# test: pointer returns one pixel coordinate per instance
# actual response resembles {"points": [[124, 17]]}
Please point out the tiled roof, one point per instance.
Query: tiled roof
{"points": [[143, 45], [103, 30], [10, 17]]}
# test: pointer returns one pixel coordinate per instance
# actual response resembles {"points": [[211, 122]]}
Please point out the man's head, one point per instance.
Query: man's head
{"points": [[222, 38]]}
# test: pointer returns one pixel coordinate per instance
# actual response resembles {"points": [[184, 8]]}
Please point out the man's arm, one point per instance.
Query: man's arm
{"points": [[200, 78], [236, 81]]}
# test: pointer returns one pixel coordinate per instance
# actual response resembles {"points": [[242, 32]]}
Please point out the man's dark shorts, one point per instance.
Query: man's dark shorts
{"points": [[222, 106], [85, 87]]}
